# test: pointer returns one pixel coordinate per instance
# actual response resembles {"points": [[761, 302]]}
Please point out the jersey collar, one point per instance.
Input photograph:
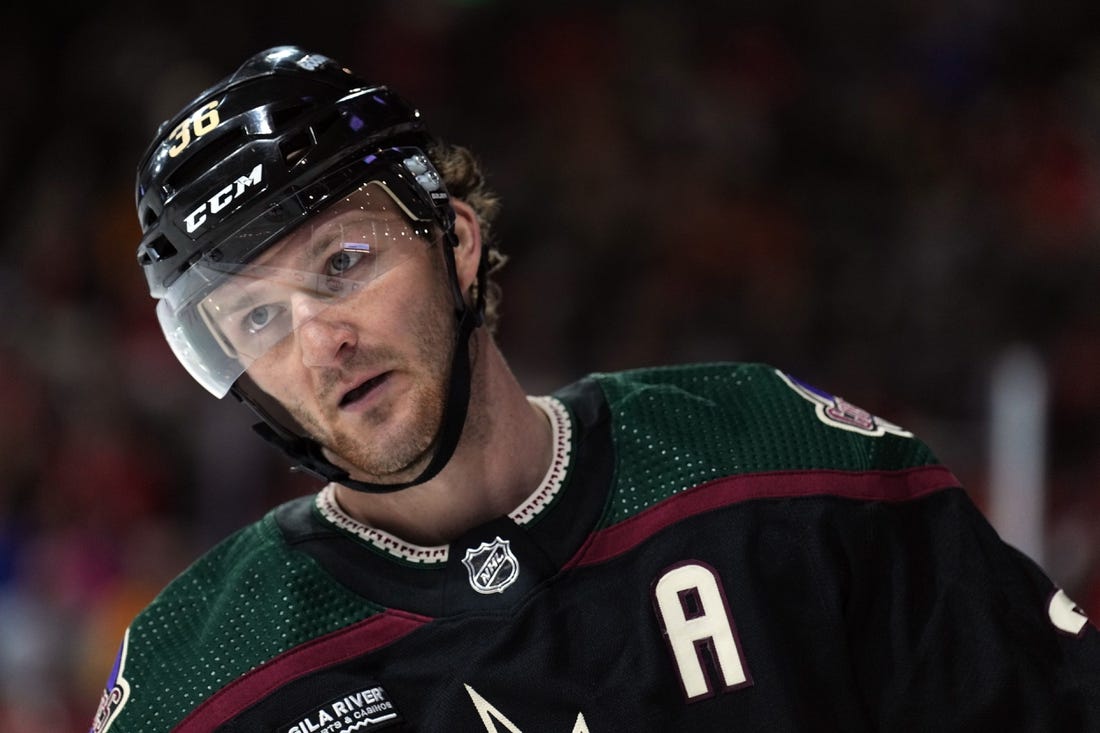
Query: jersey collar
{"points": [[528, 511]]}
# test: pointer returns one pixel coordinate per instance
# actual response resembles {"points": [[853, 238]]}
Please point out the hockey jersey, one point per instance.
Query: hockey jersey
{"points": [[714, 547]]}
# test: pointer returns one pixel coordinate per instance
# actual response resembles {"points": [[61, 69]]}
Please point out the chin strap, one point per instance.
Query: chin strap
{"points": [[309, 456]]}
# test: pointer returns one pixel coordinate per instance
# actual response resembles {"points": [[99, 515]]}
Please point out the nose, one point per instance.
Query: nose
{"points": [[324, 338]]}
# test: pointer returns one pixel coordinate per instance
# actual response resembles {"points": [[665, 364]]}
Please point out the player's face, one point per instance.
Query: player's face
{"points": [[349, 325]]}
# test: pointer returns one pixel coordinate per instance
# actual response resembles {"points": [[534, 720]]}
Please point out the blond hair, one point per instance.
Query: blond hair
{"points": [[465, 180]]}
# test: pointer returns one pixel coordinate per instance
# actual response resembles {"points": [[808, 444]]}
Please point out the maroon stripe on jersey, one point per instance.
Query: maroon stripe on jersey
{"points": [[902, 485], [324, 651]]}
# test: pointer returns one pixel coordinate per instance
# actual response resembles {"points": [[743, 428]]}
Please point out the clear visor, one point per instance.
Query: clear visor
{"points": [[219, 318]]}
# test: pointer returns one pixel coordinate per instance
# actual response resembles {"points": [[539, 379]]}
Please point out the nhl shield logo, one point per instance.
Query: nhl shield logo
{"points": [[492, 566]]}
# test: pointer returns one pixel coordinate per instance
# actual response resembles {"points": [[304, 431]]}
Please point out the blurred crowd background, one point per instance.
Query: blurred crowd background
{"points": [[883, 198]]}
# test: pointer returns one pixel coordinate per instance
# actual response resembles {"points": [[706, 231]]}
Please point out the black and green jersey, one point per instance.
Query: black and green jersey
{"points": [[714, 548]]}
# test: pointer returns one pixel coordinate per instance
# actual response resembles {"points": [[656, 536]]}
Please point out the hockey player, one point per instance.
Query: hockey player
{"points": [[694, 548]]}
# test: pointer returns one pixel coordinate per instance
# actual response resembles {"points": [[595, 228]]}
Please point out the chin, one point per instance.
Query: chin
{"points": [[387, 455]]}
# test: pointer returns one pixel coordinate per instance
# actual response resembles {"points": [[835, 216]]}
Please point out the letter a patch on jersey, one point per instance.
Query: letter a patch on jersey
{"points": [[695, 617]]}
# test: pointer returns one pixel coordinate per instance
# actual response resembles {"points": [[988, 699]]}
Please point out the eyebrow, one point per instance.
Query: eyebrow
{"points": [[238, 303], [327, 232]]}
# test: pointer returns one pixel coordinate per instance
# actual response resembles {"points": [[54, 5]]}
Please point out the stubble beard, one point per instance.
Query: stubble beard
{"points": [[393, 441]]}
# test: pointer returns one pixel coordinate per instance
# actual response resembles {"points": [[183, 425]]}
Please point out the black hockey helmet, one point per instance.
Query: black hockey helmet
{"points": [[287, 135]]}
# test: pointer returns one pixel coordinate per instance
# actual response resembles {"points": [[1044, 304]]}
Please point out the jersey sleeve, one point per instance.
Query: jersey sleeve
{"points": [[947, 628], [952, 629], [245, 602]]}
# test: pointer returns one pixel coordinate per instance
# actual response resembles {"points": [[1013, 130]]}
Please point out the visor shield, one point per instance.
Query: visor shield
{"points": [[220, 317]]}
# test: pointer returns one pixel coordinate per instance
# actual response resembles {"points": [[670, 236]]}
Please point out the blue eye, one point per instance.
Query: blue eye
{"points": [[347, 258], [258, 318]]}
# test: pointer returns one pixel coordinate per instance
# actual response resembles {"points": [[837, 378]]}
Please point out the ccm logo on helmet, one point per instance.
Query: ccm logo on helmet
{"points": [[223, 198]]}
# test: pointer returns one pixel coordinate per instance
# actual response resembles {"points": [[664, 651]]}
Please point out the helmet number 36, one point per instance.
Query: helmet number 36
{"points": [[195, 126]]}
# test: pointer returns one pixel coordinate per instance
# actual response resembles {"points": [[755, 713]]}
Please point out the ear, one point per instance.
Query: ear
{"points": [[468, 251]]}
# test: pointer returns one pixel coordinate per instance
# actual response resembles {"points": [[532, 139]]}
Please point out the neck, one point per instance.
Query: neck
{"points": [[504, 451]]}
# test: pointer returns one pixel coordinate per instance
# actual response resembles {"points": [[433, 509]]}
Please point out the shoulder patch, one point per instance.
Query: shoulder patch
{"points": [[116, 693], [837, 413]]}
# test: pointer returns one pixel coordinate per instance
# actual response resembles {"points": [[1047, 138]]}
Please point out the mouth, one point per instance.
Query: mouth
{"points": [[361, 392]]}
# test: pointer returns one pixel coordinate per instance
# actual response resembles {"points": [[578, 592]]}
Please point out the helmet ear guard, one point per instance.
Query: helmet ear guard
{"points": [[248, 161]]}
